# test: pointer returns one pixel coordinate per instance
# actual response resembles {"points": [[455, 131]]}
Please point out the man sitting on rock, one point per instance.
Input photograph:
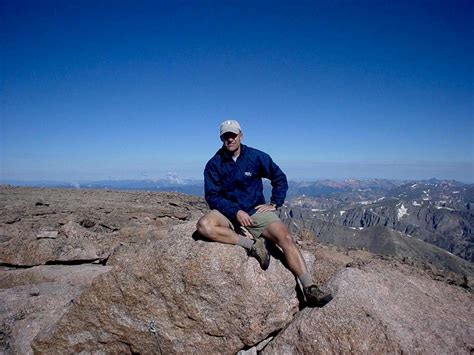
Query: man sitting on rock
{"points": [[240, 216]]}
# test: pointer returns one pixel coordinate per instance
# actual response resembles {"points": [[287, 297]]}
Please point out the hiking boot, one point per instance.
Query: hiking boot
{"points": [[315, 297], [260, 252]]}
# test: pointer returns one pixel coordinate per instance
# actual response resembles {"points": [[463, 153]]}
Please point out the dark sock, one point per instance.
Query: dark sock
{"points": [[245, 242], [306, 279]]}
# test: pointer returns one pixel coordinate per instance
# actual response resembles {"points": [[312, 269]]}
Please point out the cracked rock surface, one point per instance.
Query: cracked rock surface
{"points": [[201, 296], [383, 307], [40, 226], [33, 299], [124, 272], [55, 242]]}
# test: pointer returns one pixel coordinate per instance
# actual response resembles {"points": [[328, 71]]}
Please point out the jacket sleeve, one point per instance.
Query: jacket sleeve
{"points": [[277, 177], [213, 193]]}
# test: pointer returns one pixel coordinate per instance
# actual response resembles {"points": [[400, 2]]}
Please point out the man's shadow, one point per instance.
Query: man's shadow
{"points": [[276, 253]]}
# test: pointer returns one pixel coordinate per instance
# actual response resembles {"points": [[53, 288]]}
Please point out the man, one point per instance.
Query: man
{"points": [[234, 191]]}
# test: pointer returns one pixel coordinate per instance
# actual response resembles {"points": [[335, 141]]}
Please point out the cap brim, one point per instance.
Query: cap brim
{"points": [[230, 129]]}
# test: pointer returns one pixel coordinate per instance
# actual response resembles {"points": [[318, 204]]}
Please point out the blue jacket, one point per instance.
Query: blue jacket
{"points": [[232, 186]]}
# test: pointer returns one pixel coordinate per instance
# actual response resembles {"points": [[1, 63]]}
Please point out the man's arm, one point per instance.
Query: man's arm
{"points": [[277, 177]]}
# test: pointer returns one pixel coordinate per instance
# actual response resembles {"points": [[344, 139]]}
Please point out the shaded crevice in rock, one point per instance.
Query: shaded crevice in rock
{"points": [[151, 329], [45, 213], [112, 229], [5, 337], [13, 220], [102, 262], [261, 345], [211, 334], [15, 266], [87, 223], [267, 341]]}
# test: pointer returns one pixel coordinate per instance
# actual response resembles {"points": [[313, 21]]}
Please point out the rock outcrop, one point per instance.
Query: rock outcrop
{"points": [[50, 226], [383, 307], [178, 295], [132, 276], [33, 299]]}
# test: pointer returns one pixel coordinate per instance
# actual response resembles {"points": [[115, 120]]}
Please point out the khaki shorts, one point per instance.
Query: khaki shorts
{"points": [[260, 222]]}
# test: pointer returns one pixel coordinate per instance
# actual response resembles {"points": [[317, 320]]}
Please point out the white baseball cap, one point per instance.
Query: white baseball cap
{"points": [[230, 126]]}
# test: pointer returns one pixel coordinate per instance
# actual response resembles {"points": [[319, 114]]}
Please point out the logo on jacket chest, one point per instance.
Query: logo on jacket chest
{"points": [[248, 174]]}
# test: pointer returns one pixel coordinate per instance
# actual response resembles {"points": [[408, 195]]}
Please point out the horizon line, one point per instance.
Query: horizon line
{"points": [[290, 179]]}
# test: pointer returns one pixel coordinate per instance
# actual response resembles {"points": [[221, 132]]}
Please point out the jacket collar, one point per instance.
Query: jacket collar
{"points": [[224, 153]]}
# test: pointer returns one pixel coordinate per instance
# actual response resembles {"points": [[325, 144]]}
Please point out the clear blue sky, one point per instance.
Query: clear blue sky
{"points": [[331, 89]]}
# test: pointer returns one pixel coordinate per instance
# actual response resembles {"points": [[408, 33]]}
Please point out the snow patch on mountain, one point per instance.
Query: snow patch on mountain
{"points": [[444, 208], [402, 211]]}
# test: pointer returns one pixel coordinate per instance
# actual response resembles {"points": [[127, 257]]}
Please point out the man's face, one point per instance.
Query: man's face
{"points": [[231, 141]]}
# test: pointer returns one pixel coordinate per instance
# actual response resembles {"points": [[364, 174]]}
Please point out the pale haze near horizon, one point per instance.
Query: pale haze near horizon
{"points": [[330, 90]]}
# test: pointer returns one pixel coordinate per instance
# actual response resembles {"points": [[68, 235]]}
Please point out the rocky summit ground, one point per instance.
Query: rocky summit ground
{"points": [[101, 271]]}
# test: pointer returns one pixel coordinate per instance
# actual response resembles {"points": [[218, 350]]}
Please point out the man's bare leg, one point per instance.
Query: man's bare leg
{"points": [[215, 227], [279, 234]]}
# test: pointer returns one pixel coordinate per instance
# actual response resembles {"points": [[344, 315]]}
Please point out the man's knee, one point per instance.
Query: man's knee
{"points": [[204, 226], [279, 234], [286, 240]]}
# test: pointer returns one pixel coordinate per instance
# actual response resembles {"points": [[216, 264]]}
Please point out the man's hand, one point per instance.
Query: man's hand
{"points": [[265, 208], [244, 219]]}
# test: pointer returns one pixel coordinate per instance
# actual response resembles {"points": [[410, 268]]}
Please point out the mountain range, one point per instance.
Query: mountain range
{"points": [[438, 212], [394, 221]]}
